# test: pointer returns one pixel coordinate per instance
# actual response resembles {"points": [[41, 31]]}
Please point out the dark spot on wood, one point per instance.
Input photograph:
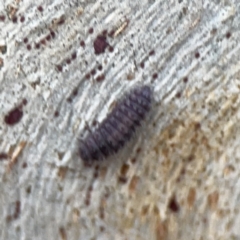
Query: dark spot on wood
{"points": [[2, 18], [28, 189], [138, 150], [59, 68], [3, 156], [25, 40], [197, 55], [14, 116], [14, 19], [142, 64], [100, 67], [22, 19], [151, 53], [53, 34], [93, 72], [29, 47], [87, 76], [228, 35], [154, 76], [190, 158], [100, 78], [56, 114], [82, 43], [37, 45], [133, 160], [40, 8], [100, 44], [48, 37], [43, 41], [122, 180], [74, 55], [75, 92], [173, 204], [178, 95], [24, 165], [104, 32], [90, 31], [111, 33], [185, 79], [68, 61], [3, 49], [24, 101], [111, 49], [124, 169]]}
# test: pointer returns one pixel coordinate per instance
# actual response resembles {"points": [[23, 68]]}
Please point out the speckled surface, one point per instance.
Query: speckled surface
{"points": [[178, 177]]}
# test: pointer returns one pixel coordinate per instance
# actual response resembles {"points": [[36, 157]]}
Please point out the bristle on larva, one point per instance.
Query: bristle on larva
{"points": [[118, 127]]}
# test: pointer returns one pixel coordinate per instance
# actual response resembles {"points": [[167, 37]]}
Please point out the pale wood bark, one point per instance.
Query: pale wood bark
{"points": [[179, 177]]}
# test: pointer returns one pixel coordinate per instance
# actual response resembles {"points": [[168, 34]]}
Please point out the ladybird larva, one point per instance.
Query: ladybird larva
{"points": [[118, 127]]}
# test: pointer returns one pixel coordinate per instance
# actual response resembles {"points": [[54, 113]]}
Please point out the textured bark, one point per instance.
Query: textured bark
{"points": [[64, 64]]}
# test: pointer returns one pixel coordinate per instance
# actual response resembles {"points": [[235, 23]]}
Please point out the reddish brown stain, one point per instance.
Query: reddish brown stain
{"points": [[2, 18], [82, 43], [40, 8], [197, 55], [173, 204], [90, 31], [3, 156], [53, 34], [56, 114], [37, 45], [185, 79], [100, 67], [111, 49], [152, 52], [154, 76], [93, 72], [87, 76], [74, 55], [100, 78], [228, 35], [59, 68], [142, 64], [122, 179], [14, 19], [29, 47], [25, 40], [24, 165], [48, 37], [104, 32], [43, 41], [22, 19], [100, 44], [14, 116]]}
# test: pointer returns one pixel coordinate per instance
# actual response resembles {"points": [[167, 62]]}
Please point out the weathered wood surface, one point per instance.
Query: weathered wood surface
{"points": [[178, 178]]}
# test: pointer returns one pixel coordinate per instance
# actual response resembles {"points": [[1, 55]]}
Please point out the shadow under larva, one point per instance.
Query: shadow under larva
{"points": [[118, 127]]}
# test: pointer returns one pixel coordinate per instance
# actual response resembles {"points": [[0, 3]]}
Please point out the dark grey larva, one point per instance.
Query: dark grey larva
{"points": [[118, 127]]}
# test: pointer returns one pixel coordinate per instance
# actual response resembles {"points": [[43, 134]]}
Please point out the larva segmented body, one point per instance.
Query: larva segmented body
{"points": [[118, 127]]}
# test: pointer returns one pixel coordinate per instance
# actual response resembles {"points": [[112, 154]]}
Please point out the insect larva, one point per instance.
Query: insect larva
{"points": [[118, 127]]}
